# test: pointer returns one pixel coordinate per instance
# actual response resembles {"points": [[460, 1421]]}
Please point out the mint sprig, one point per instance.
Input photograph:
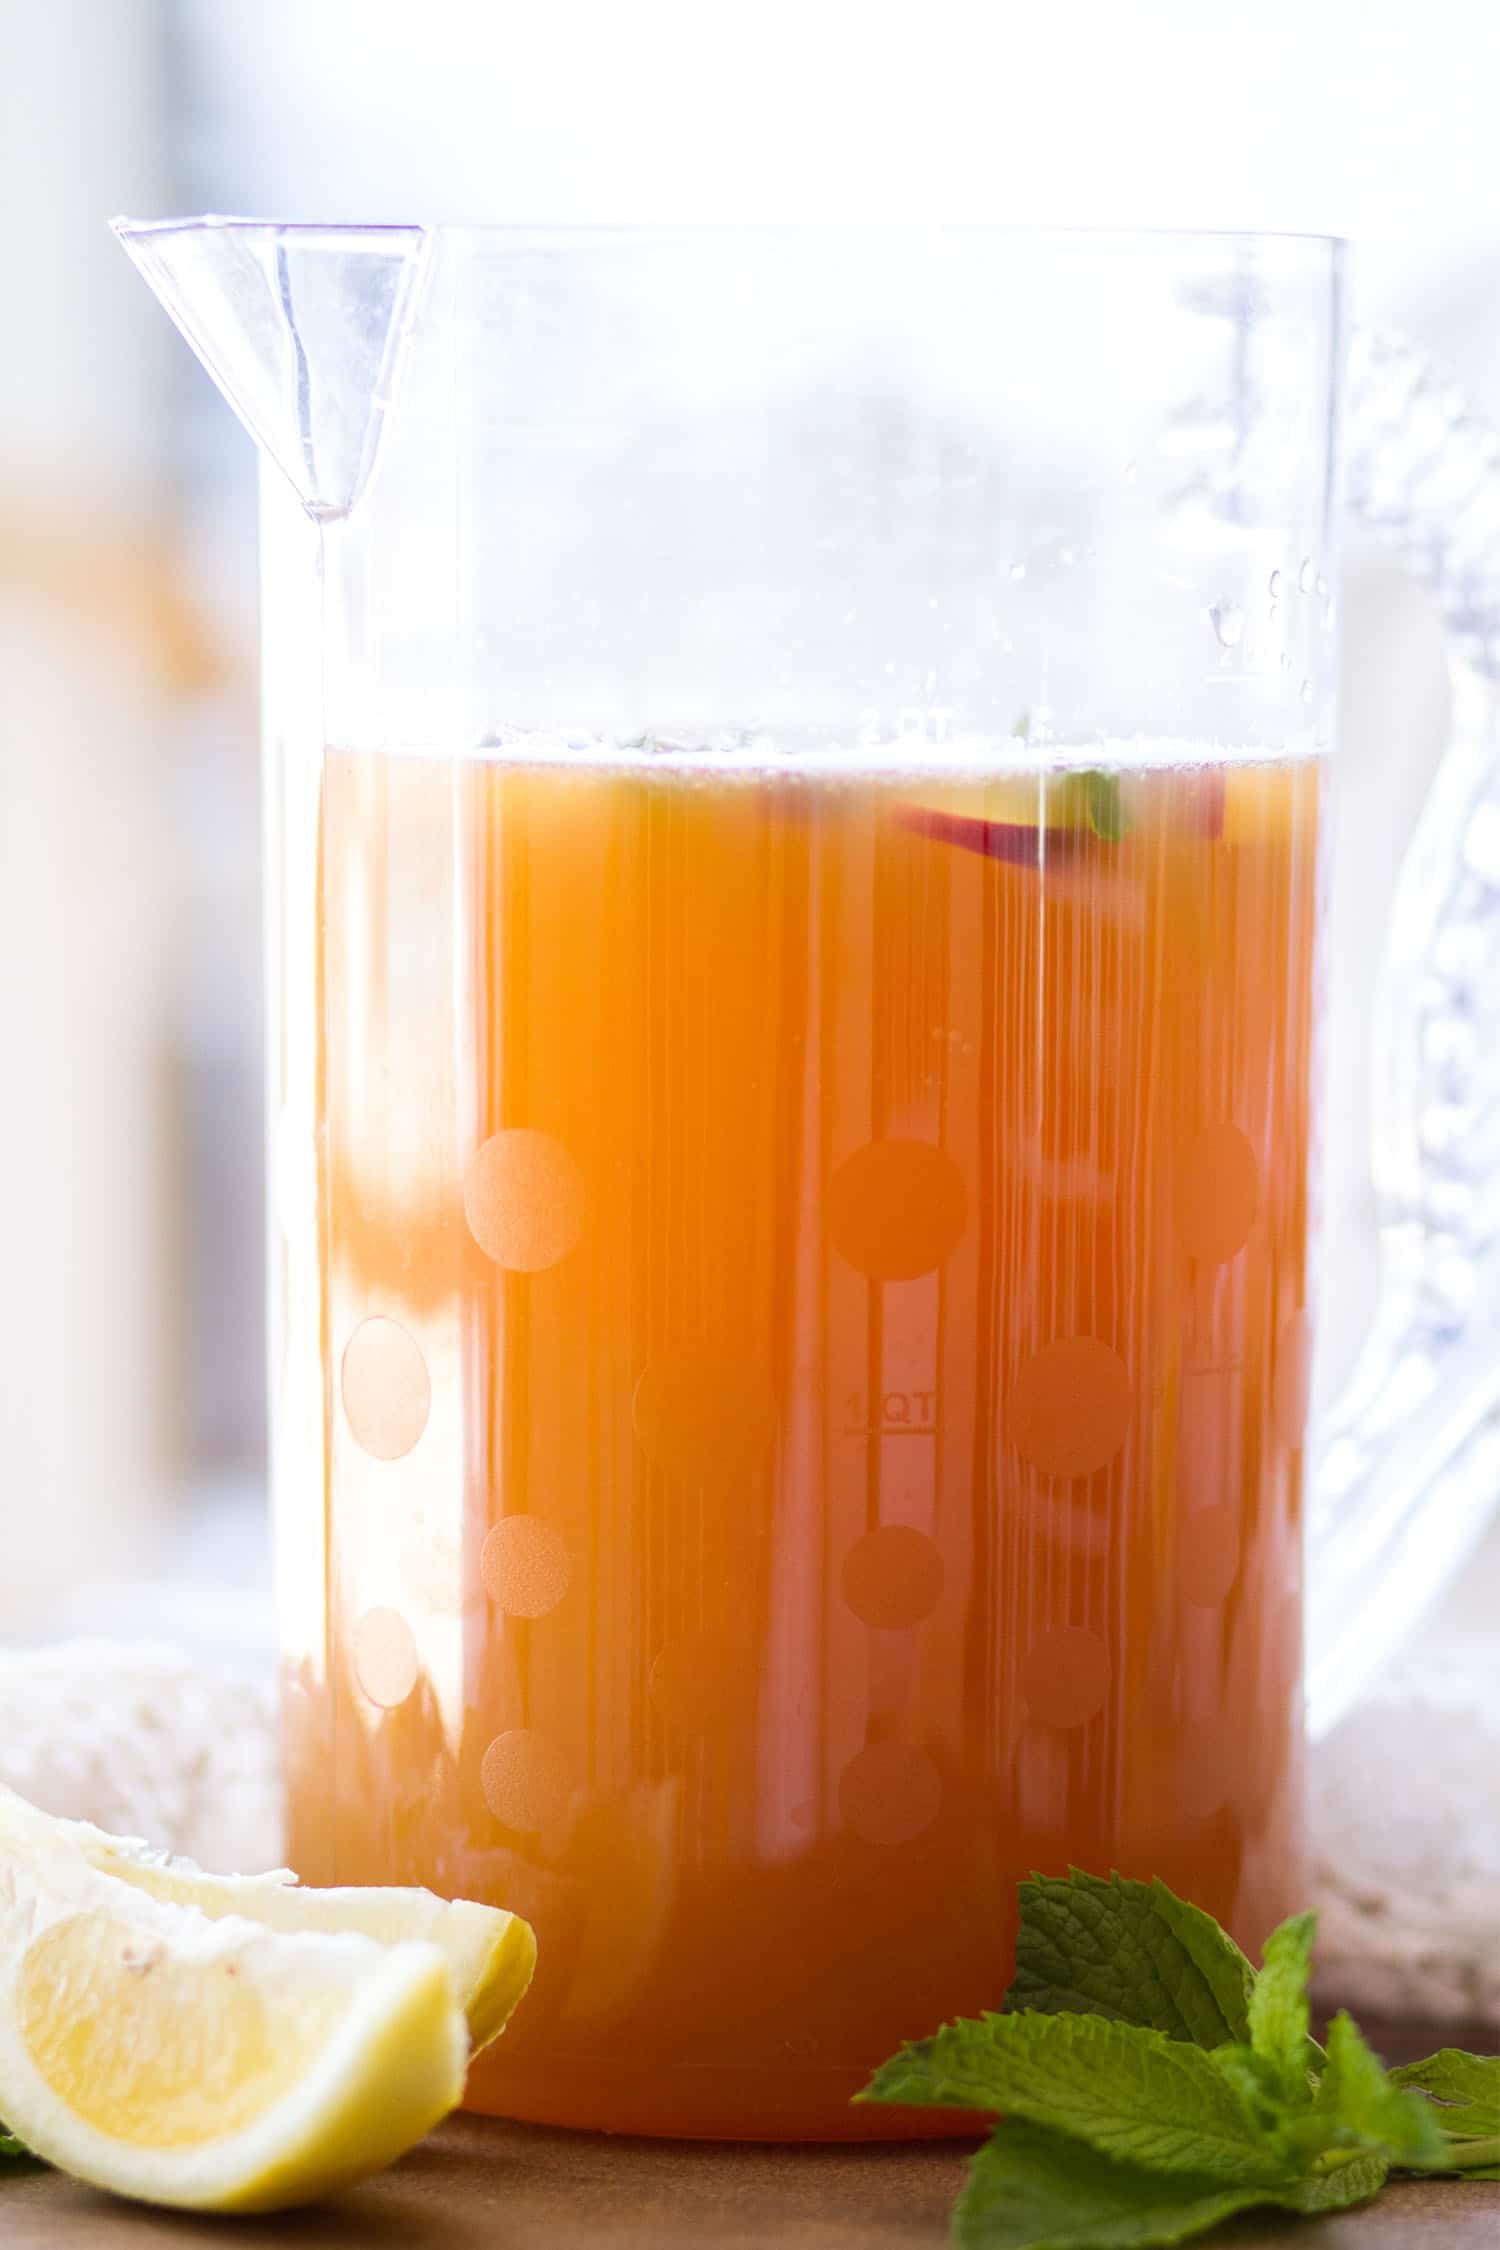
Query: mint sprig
{"points": [[1123, 2088], [1464, 2091], [1107, 1946], [1029, 2189], [1279, 2018], [1153, 2083]]}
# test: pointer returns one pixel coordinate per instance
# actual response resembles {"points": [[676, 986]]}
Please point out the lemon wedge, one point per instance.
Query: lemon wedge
{"points": [[490, 1954], [193, 2040]]}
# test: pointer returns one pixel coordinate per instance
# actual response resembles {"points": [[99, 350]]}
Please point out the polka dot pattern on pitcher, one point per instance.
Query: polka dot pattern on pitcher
{"points": [[890, 1792], [524, 1200], [893, 1577], [386, 1663], [525, 1566], [524, 1780], [385, 1387], [1217, 1194], [896, 1209], [1070, 1407]]}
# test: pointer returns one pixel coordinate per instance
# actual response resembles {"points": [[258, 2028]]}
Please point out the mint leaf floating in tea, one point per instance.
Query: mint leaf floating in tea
{"points": [[1103, 806], [1150, 2082]]}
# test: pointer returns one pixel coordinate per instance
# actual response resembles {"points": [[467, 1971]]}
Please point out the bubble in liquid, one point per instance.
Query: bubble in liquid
{"points": [[1273, 587], [1018, 570], [1228, 621], [1305, 692], [1306, 577]]}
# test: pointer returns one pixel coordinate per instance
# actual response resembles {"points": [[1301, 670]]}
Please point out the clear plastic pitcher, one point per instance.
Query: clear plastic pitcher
{"points": [[796, 785]]}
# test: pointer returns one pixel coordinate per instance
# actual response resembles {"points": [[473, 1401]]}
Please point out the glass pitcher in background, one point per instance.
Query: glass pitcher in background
{"points": [[795, 786]]}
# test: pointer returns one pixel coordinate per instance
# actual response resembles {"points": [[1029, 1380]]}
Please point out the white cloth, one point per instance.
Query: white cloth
{"points": [[145, 1741], [1405, 1824]]}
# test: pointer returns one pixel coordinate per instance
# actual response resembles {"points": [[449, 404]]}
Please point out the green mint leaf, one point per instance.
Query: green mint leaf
{"points": [[1258, 2087], [1363, 2108], [1029, 2189], [1106, 1946], [1465, 2090], [1125, 2090], [1278, 2008], [1151, 2083], [1352, 2179], [11, 2148], [1104, 806]]}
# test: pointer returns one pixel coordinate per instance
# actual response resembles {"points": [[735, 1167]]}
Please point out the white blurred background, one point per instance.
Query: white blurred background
{"points": [[130, 1317]]}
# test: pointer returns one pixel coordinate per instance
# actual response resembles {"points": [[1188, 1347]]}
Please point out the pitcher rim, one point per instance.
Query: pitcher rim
{"points": [[578, 234]]}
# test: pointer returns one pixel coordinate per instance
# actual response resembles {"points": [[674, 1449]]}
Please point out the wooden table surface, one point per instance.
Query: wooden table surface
{"points": [[477, 2185]]}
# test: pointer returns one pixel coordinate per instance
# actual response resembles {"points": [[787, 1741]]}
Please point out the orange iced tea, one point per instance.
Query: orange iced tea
{"points": [[791, 1361]]}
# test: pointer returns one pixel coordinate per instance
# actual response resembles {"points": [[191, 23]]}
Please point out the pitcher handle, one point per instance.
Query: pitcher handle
{"points": [[1406, 1468]]}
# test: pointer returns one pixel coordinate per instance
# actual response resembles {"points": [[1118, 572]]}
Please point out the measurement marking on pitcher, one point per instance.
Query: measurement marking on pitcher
{"points": [[885, 1429], [902, 1414]]}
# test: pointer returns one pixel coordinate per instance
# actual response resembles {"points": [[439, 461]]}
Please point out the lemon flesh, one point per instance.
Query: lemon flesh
{"points": [[219, 2060], [490, 1954]]}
